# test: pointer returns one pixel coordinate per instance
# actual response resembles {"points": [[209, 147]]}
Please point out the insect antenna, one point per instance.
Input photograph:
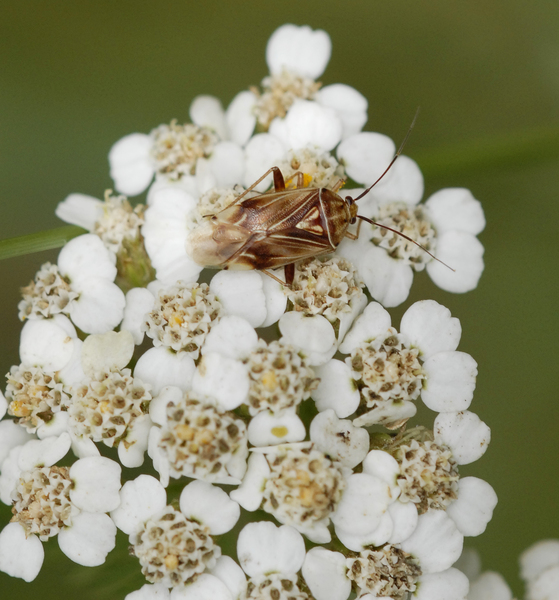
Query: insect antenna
{"points": [[400, 149], [407, 238]]}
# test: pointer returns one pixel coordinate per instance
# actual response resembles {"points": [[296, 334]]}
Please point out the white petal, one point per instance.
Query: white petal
{"points": [[100, 306], [158, 456], [363, 503], [537, 558], [90, 538], [139, 301], [451, 584], [298, 50], [227, 164], [436, 542], [314, 336], [464, 433], [490, 586], [430, 327], [336, 389], [106, 352], [469, 563], [325, 574], [388, 279], [349, 104], [232, 336], [262, 152], [339, 439], [276, 300], [140, 499], [309, 123], [263, 548], [155, 591], [387, 413], [201, 501], [250, 493], [206, 111], [374, 321], [240, 117], [96, 484], [9, 475], [11, 435], [20, 556], [206, 587], [266, 429], [162, 367], [228, 571], [44, 453], [83, 447], [385, 467], [131, 165], [464, 253], [224, 379], [44, 343], [241, 293], [80, 209], [404, 519], [72, 374], [451, 381], [473, 508], [158, 406], [84, 258], [131, 450], [366, 156], [456, 208], [403, 183], [56, 426], [360, 540], [346, 319], [546, 586]]}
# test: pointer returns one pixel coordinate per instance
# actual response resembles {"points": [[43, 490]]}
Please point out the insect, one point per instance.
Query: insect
{"points": [[281, 226]]}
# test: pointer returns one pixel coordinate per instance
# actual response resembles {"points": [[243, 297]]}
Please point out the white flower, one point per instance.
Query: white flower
{"points": [[81, 286], [392, 369], [177, 153], [323, 490], [68, 502], [165, 232], [166, 558], [271, 556], [540, 570], [326, 296], [446, 224], [196, 439]]}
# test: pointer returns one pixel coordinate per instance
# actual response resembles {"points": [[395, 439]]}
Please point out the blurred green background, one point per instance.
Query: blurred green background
{"points": [[77, 76]]}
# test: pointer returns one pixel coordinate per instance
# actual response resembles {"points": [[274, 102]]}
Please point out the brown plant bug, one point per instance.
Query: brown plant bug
{"points": [[281, 226]]}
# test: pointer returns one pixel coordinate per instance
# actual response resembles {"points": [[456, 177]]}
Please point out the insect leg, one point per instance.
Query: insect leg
{"points": [[300, 179], [289, 273], [270, 274], [279, 183], [339, 185], [352, 236]]}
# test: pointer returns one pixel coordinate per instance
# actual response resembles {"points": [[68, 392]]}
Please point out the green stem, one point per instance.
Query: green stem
{"points": [[36, 242], [497, 153]]}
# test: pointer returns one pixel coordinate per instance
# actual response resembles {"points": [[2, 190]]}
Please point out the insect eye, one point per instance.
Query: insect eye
{"points": [[354, 220], [349, 200]]}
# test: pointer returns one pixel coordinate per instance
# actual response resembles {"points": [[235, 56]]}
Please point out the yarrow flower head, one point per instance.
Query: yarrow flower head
{"points": [[278, 389]]}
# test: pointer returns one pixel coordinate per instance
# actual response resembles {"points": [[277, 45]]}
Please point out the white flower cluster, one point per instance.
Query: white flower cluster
{"points": [[124, 346]]}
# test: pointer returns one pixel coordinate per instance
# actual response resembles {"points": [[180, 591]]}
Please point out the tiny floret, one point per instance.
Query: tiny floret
{"points": [[279, 378], [174, 550], [42, 501], [182, 317], [324, 287], [176, 148]]}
